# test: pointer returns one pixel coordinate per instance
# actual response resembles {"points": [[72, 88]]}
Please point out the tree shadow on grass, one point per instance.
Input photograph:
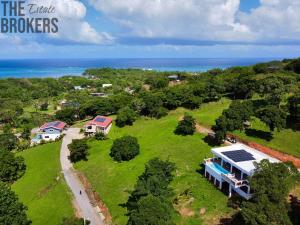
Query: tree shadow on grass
{"points": [[210, 141], [265, 135], [292, 125], [201, 169]]}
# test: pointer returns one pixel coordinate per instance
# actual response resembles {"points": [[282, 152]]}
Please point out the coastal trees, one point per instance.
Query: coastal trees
{"points": [[153, 105], [11, 167], [294, 66], [78, 150], [157, 82], [125, 116], [187, 126], [11, 210], [125, 148], [271, 184], [67, 115]]}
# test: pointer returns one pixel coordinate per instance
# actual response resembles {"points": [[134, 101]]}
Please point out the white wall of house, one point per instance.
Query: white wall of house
{"points": [[95, 129], [50, 137]]}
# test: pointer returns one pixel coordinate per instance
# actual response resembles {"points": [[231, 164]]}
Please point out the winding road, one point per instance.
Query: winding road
{"points": [[86, 210]]}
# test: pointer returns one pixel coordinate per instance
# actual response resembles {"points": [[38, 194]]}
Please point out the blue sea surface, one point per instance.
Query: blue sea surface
{"points": [[28, 68]]}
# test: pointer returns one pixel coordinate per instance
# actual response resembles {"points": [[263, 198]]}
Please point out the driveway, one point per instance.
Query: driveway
{"points": [[86, 210]]}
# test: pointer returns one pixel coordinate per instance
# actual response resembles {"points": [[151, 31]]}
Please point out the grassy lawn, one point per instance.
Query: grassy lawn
{"points": [[112, 180], [42, 189], [286, 140], [208, 113]]}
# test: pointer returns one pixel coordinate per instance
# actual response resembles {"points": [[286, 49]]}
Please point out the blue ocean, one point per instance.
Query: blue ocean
{"points": [[28, 68]]}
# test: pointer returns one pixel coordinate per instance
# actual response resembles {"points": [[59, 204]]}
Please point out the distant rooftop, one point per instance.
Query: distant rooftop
{"points": [[101, 121], [242, 156], [55, 124]]}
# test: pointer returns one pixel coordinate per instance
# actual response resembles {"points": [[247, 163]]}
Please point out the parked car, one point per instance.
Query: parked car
{"points": [[231, 140]]}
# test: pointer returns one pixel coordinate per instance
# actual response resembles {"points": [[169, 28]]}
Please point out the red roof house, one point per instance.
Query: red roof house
{"points": [[99, 124], [58, 125]]}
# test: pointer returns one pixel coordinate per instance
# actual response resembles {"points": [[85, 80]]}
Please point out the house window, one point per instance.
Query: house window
{"points": [[46, 136], [89, 127]]}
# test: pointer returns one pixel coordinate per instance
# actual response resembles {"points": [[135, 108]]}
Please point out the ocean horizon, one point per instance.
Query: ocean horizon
{"points": [[42, 68]]}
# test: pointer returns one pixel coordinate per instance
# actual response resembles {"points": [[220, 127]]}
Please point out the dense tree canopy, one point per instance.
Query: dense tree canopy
{"points": [[8, 141], [12, 212], [273, 117], [11, 167], [271, 184], [152, 191]]}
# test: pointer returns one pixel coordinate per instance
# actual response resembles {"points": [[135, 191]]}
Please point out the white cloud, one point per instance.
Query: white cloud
{"points": [[274, 20], [189, 19], [209, 20], [72, 25]]}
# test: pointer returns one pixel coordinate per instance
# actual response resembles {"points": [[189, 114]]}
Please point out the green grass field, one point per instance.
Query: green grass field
{"points": [[113, 180], [286, 141], [42, 189], [208, 113]]}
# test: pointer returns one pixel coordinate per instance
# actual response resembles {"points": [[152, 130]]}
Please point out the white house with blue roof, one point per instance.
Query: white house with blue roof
{"points": [[49, 132], [231, 166]]}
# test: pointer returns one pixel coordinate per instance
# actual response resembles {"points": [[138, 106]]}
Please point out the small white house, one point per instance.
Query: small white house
{"points": [[231, 166], [78, 88], [106, 85], [98, 124], [49, 132]]}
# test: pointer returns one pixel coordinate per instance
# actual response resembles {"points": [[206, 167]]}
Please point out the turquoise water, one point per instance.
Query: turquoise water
{"points": [[218, 168], [59, 67]]}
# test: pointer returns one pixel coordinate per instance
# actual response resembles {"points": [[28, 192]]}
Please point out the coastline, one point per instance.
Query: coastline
{"points": [[54, 68]]}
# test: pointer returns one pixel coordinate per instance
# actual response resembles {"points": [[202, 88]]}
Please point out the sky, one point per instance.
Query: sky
{"points": [[163, 29]]}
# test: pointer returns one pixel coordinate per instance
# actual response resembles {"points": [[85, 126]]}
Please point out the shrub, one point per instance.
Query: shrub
{"points": [[187, 126], [78, 150], [125, 148], [100, 136]]}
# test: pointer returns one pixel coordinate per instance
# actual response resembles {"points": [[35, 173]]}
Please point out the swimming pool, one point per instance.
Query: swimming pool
{"points": [[219, 169]]}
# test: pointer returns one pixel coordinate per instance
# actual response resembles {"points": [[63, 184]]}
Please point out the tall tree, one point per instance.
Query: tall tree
{"points": [[186, 126], [11, 167], [151, 210], [125, 116], [78, 150], [12, 212], [273, 117], [8, 141], [271, 184]]}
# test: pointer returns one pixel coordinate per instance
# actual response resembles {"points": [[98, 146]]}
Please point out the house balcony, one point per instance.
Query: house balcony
{"points": [[216, 166]]}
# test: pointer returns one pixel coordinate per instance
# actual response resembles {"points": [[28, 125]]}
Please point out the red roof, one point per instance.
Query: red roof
{"points": [[56, 125], [100, 121]]}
